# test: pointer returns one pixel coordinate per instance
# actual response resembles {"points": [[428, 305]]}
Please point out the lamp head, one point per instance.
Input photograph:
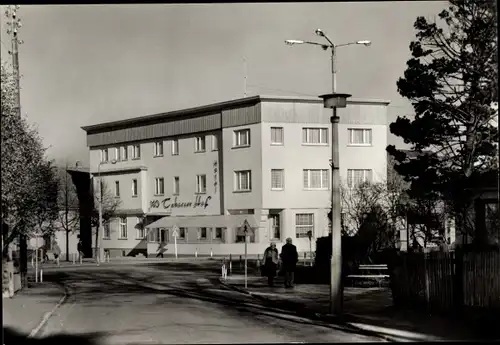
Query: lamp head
{"points": [[292, 42], [319, 32], [366, 43]]}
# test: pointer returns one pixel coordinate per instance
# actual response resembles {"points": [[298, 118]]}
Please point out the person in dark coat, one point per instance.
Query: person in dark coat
{"points": [[271, 259], [289, 259], [79, 247]]}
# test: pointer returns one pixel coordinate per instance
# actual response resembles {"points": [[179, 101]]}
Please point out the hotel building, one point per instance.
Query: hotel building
{"points": [[202, 172]]}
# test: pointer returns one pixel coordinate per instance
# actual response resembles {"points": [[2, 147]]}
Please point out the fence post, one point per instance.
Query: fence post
{"points": [[426, 278], [258, 263], [230, 264], [458, 275]]}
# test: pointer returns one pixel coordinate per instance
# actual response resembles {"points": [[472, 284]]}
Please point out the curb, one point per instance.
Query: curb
{"points": [[48, 315]]}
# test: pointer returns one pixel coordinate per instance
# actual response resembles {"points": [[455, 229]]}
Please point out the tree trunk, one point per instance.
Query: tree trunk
{"points": [[96, 241], [67, 245], [23, 260]]}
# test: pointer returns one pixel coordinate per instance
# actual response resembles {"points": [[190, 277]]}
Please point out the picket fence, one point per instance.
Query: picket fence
{"points": [[444, 281]]}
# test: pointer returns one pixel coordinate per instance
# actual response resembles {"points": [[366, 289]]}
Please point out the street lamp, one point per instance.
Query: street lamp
{"points": [[334, 101], [100, 227]]}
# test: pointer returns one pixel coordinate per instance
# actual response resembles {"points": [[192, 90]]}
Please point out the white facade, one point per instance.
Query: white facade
{"points": [[262, 142]]}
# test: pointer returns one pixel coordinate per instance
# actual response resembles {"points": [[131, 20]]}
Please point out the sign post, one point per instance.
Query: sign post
{"points": [[36, 259], [309, 234], [175, 233], [246, 228]]}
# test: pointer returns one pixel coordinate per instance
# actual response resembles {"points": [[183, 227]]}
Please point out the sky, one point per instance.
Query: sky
{"points": [[86, 64]]}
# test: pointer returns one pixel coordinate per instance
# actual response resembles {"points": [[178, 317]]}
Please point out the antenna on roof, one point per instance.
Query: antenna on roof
{"points": [[245, 76]]}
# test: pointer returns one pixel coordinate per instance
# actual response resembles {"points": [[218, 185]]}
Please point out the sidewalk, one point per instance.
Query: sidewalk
{"points": [[128, 261], [27, 308], [367, 308]]}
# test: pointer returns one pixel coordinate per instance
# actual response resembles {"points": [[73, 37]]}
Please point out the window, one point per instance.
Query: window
{"points": [[242, 138], [316, 179], [117, 189], [277, 136], [153, 235], [203, 234], [176, 185], [136, 151], [275, 227], [158, 149], [304, 222], [117, 154], [182, 233], [134, 187], [104, 156], [277, 179], [242, 180], [218, 233], [140, 229], [199, 144], [159, 186], [201, 184], [357, 176], [359, 136], [123, 227], [215, 142], [175, 147], [318, 136], [106, 231], [123, 153]]}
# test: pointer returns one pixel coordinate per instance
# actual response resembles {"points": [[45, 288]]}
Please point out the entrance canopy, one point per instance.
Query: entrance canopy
{"points": [[219, 221]]}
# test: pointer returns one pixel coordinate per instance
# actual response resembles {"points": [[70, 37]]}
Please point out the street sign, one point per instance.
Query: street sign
{"points": [[245, 229], [175, 231], [175, 234], [246, 226]]}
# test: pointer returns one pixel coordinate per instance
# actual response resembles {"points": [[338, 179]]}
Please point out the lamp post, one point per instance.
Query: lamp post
{"points": [[334, 101], [100, 227]]}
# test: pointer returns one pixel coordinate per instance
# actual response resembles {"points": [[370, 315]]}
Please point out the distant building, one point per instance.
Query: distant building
{"points": [[207, 170]]}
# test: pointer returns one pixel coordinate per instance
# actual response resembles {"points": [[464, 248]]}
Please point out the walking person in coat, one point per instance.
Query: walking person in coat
{"points": [[271, 257], [57, 251], [79, 247], [289, 259]]}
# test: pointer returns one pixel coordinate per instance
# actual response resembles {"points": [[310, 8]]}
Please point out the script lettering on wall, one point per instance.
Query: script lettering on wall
{"points": [[215, 165], [168, 203]]}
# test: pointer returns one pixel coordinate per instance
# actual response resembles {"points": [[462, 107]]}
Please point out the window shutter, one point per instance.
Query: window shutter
{"points": [[199, 233]]}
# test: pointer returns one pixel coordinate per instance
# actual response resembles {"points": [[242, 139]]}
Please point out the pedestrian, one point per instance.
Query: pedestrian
{"points": [[79, 247], [161, 249], [271, 258], [289, 259], [57, 251]]}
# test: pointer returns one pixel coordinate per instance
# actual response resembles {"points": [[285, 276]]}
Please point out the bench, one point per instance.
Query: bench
{"points": [[377, 272]]}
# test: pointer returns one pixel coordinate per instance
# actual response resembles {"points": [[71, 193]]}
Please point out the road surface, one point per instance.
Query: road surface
{"points": [[173, 304]]}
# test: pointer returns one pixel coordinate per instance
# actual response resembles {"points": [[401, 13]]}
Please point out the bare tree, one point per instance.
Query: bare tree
{"points": [[110, 204], [69, 217], [357, 202]]}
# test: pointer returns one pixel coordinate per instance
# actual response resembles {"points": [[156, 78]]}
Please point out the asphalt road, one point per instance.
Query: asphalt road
{"points": [[173, 303]]}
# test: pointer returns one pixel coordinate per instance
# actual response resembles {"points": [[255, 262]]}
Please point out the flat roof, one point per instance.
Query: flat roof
{"points": [[223, 105]]}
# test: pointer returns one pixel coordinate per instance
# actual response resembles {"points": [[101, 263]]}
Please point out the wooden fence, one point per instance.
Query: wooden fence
{"points": [[444, 281]]}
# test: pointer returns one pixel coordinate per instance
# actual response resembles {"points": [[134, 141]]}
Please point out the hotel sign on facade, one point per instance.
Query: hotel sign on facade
{"points": [[171, 203]]}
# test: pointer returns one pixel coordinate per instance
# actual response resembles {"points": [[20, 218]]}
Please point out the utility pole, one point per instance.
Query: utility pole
{"points": [[66, 210], [14, 24]]}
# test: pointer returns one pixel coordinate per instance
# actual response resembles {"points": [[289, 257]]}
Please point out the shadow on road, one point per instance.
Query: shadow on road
{"points": [[12, 337], [127, 283]]}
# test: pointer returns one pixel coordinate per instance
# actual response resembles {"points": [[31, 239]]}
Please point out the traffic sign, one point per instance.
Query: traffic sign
{"points": [[175, 231], [246, 226]]}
